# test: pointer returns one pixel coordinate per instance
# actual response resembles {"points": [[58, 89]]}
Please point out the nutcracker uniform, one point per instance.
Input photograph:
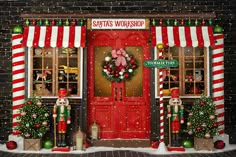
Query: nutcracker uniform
{"points": [[176, 116], [61, 112]]}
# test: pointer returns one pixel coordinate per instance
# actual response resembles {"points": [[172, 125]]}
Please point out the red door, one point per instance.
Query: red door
{"points": [[121, 109]]}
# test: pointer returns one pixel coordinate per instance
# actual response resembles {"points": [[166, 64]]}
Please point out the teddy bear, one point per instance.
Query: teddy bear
{"points": [[41, 90]]}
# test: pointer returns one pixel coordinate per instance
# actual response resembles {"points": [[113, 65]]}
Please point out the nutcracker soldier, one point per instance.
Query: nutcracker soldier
{"points": [[61, 116], [175, 115]]}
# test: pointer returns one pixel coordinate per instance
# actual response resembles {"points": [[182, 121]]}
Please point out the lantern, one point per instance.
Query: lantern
{"points": [[94, 131], [79, 138]]}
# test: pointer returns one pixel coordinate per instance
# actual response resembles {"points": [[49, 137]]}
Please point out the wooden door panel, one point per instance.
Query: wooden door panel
{"points": [[121, 108], [133, 122], [104, 115]]}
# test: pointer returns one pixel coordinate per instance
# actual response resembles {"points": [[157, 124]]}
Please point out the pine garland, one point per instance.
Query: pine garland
{"points": [[34, 119], [202, 120]]}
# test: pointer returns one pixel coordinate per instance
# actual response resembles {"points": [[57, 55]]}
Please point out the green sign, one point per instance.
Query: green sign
{"points": [[161, 63]]}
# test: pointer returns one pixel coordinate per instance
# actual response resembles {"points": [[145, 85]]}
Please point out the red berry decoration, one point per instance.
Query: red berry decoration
{"points": [[132, 60], [11, 145], [219, 144], [134, 66], [126, 75], [37, 125]]}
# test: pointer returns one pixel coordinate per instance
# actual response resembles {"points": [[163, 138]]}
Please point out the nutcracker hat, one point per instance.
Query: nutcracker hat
{"points": [[175, 93], [62, 92]]}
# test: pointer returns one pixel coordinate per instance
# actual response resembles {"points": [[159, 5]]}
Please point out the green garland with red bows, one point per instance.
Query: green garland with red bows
{"points": [[119, 66]]}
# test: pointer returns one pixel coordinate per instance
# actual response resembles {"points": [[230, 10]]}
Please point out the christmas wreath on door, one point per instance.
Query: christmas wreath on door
{"points": [[119, 66]]}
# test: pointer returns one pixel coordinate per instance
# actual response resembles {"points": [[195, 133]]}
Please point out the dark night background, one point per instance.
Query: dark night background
{"points": [[10, 15]]}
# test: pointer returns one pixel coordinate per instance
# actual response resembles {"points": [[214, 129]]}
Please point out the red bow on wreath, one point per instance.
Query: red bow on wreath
{"points": [[120, 55]]}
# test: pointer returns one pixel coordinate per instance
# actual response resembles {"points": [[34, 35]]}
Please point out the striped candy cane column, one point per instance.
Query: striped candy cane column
{"points": [[18, 78], [161, 98], [218, 79], [162, 148]]}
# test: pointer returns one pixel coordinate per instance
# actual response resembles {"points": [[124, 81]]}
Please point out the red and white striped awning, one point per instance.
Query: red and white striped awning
{"points": [[183, 36], [54, 36]]}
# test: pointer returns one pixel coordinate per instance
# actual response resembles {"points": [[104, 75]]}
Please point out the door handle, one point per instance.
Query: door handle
{"points": [[115, 94], [120, 94]]}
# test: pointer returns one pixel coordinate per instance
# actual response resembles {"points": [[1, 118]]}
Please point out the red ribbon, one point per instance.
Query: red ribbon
{"points": [[120, 55]]}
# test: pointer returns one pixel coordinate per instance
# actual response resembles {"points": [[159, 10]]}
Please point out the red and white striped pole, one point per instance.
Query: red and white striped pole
{"points": [[162, 147], [18, 75], [218, 79]]}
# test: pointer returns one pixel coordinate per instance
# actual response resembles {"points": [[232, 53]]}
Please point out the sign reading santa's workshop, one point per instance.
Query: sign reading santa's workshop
{"points": [[118, 23]]}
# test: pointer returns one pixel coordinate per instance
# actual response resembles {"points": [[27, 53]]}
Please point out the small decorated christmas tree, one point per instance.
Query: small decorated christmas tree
{"points": [[34, 119], [202, 120]]}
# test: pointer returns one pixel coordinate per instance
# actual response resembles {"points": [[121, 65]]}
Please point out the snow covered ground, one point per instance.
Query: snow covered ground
{"points": [[99, 149], [161, 150]]}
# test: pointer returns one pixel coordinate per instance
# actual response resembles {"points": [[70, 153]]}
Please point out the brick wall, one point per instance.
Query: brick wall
{"points": [[10, 11]]}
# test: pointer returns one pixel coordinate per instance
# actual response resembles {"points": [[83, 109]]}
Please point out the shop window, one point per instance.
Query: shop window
{"points": [[53, 68], [191, 74]]}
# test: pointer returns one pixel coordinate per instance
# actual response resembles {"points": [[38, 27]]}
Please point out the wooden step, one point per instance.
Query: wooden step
{"points": [[121, 143]]}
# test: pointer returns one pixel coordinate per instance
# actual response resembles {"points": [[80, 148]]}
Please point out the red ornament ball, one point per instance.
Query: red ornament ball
{"points": [[215, 125], [11, 145], [155, 144], [86, 144], [219, 144], [198, 128], [29, 102], [202, 103], [37, 125]]}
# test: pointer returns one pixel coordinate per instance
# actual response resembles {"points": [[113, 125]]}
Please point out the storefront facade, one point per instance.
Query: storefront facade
{"points": [[126, 101]]}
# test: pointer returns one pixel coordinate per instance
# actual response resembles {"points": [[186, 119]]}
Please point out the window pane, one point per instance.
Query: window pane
{"points": [[134, 87], [188, 51], [42, 71], [68, 70], [102, 87]]}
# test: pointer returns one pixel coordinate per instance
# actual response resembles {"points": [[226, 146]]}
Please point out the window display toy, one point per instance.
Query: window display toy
{"points": [[68, 72], [43, 75]]}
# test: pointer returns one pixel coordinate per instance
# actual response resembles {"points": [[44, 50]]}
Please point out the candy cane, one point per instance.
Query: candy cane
{"points": [[161, 100], [162, 147], [218, 79], [18, 78]]}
